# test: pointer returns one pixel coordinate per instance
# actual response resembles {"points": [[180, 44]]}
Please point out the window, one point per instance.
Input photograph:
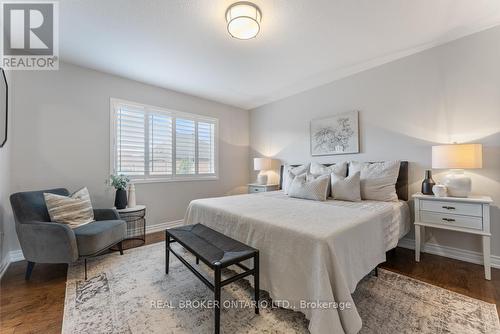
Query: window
{"points": [[151, 143]]}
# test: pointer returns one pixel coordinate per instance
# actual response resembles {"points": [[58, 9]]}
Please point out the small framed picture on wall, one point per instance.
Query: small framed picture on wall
{"points": [[338, 134]]}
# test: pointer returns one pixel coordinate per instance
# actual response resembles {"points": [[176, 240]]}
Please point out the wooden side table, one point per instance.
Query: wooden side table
{"points": [[467, 215], [136, 226]]}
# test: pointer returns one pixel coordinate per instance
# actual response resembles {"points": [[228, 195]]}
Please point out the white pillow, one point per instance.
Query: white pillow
{"points": [[308, 187], [319, 169], [378, 179], [340, 169], [289, 174], [346, 188]]}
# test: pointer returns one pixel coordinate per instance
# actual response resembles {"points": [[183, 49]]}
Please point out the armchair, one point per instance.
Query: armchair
{"points": [[43, 241]]}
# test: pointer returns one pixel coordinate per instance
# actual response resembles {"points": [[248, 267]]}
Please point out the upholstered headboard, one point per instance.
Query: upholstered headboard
{"points": [[401, 184]]}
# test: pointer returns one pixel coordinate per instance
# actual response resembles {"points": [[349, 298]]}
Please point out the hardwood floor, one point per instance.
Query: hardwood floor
{"points": [[37, 306]]}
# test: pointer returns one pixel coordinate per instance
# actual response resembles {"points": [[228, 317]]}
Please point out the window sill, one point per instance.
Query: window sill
{"points": [[177, 179]]}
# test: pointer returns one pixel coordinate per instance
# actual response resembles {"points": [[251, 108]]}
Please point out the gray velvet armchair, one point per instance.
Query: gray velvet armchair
{"points": [[43, 241]]}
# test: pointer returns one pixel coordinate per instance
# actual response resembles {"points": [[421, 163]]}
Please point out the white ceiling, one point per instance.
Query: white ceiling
{"points": [[183, 44]]}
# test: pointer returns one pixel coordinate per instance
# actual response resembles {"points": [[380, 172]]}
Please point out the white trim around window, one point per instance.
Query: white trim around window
{"points": [[146, 142]]}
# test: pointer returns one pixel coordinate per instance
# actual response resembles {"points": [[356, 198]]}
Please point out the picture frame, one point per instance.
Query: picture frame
{"points": [[333, 135], [4, 108]]}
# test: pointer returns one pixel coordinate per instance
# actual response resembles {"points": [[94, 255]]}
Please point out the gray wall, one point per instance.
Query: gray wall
{"points": [[61, 133], [442, 95], [6, 226]]}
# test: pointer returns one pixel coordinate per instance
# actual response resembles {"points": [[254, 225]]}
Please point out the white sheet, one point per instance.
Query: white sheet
{"points": [[310, 250]]}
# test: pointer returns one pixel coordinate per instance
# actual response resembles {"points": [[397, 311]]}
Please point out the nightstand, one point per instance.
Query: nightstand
{"points": [[260, 188], [467, 215]]}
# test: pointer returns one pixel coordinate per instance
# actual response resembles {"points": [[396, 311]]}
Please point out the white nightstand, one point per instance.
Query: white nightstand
{"points": [[468, 215], [260, 188]]}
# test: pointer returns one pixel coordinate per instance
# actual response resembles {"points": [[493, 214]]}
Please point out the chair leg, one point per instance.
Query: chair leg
{"points": [[120, 247], [85, 261], [29, 270]]}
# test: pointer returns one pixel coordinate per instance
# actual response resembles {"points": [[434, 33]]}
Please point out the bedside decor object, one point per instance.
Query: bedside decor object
{"points": [[335, 135], [131, 195], [119, 182], [457, 157], [135, 217], [262, 188], [468, 215], [428, 183], [4, 106], [262, 165], [439, 190]]}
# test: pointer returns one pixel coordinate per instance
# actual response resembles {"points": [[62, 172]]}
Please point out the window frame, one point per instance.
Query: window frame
{"points": [[174, 177]]}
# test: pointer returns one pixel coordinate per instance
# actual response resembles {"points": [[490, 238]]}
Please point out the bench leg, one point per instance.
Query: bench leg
{"points": [[167, 251], [217, 280], [256, 282], [197, 260], [29, 270]]}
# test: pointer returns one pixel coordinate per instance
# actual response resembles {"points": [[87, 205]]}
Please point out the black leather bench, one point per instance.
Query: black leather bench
{"points": [[217, 251]]}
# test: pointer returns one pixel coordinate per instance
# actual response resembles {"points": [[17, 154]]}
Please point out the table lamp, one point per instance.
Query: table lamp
{"points": [[457, 157], [262, 165]]}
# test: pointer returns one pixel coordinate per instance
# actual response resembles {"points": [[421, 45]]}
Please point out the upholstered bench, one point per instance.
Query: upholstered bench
{"points": [[217, 251]]}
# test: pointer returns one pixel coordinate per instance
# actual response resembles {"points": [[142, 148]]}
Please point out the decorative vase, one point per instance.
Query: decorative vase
{"points": [[428, 183], [439, 190], [131, 196], [121, 199]]}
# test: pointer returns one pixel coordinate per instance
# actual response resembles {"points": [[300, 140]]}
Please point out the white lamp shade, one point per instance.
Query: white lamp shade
{"points": [[457, 156], [262, 163]]}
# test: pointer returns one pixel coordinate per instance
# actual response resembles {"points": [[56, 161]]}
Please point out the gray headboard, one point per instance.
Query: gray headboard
{"points": [[401, 184]]}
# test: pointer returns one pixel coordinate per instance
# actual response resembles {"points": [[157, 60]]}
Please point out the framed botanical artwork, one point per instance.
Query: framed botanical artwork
{"points": [[337, 134]]}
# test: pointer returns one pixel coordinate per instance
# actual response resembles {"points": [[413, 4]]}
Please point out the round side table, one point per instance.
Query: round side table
{"points": [[136, 226]]}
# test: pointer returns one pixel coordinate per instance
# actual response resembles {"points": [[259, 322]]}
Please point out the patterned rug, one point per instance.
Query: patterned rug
{"points": [[132, 294]]}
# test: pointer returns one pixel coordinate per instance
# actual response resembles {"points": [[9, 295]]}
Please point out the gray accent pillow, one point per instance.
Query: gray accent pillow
{"points": [[309, 187], [378, 179], [289, 174], [74, 210], [346, 188]]}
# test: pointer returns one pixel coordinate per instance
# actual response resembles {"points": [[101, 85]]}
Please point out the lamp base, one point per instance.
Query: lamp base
{"points": [[457, 183], [262, 179]]}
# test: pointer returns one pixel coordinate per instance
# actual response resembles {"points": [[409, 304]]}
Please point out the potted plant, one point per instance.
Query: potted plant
{"points": [[119, 182]]}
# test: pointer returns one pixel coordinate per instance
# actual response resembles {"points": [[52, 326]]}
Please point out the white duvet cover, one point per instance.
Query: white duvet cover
{"points": [[310, 251]]}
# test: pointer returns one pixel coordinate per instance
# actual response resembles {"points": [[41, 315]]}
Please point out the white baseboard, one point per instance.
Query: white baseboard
{"points": [[12, 256], [451, 252], [163, 226]]}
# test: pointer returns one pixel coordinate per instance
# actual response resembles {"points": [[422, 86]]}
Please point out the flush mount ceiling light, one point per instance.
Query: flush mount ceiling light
{"points": [[243, 20]]}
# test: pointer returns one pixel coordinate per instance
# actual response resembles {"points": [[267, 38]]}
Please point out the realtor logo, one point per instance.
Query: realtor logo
{"points": [[30, 35]]}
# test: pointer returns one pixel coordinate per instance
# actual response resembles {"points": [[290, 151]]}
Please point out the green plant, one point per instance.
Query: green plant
{"points": [[119, 181]]}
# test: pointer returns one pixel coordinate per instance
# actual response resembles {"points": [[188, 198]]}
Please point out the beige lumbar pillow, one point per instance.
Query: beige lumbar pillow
{"points": [[346, 188], [308, 187], [74, 210]]}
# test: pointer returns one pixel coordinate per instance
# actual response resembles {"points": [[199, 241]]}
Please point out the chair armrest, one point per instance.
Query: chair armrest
{"points": [[47, 242], [106, 214]]}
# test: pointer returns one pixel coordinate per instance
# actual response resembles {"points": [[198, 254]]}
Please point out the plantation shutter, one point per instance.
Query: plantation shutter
{"points": [[160, 144], [130, 141], [206, 148], [185, 146]]}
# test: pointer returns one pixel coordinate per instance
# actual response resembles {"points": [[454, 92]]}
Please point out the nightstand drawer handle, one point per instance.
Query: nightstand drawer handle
{"points": [[449, 207], [448, 219]]}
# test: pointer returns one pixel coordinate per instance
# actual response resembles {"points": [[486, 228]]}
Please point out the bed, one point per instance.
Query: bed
{"points": [[313, 254]]}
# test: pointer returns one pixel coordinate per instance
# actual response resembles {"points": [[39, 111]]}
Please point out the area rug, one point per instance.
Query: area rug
{"points": [[132, 294]]}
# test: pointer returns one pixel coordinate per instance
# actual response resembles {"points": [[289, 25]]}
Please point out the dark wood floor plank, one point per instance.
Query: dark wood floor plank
{"points": [[37, 306]]}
